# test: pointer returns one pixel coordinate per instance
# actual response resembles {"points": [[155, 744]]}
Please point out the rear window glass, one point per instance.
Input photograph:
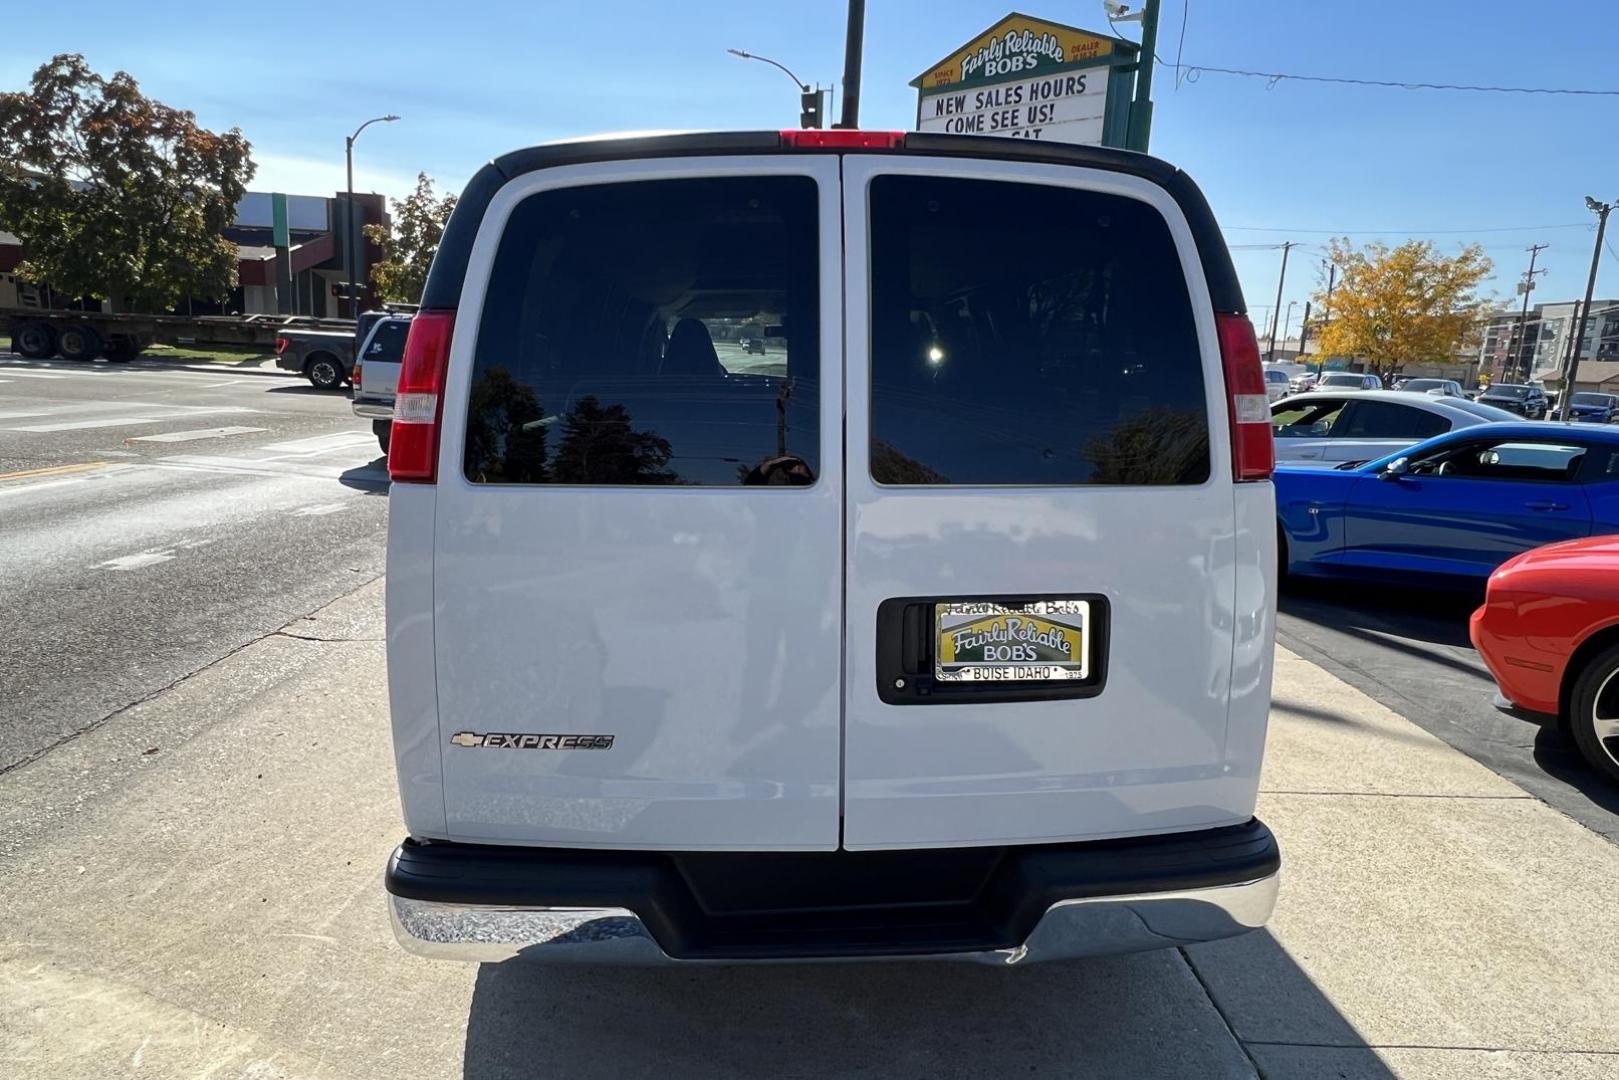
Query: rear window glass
{"points": [[651, 333], [1388, 420], [388, 342], [1029, 334]]}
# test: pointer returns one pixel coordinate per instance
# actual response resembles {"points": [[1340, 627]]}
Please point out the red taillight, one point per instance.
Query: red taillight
{"points": [[281, 344], [354, 375], [843, 139], [419, 399], [1253, 454]]}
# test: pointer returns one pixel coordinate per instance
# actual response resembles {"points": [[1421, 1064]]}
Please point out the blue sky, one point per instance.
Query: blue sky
{"points": [[477, 78]]}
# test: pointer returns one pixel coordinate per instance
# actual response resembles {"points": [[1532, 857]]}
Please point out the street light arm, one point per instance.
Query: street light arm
{"points": [[803, 86], [390, 118]]}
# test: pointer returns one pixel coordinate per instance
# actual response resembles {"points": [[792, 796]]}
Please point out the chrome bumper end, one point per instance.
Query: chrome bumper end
{"points": [[1091, 926]]}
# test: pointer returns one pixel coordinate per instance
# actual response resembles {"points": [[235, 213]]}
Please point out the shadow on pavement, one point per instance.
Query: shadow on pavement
{"points": [[305, 389], [1560, 759], [1140, 1016], [1437, 617], [371, 479]]}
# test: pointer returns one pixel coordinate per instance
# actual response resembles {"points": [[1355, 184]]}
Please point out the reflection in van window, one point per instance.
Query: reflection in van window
{"points": [[651, 333], [1029, 334]]}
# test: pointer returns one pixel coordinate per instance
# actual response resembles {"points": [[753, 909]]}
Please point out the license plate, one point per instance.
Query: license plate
{"points": [[1037, 641]]}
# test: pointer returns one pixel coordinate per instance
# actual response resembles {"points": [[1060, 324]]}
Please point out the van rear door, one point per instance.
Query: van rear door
{"points": [[638, 544], [1042, 542]]}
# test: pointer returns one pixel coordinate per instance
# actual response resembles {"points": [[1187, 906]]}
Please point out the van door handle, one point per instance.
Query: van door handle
{"points": [[1545, 504]]}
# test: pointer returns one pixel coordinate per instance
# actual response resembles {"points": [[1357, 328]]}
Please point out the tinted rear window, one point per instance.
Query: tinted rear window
{"points": [[1028, 334], [1390, 420], [387, 344], [652, 333]]}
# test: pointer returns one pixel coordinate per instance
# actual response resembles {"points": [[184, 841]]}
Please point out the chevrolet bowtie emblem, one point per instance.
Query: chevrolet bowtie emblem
{"points": [[467, 738]]}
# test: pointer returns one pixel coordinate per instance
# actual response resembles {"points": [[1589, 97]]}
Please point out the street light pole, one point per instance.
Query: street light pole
{"points": [[1572, 367], [350, 239], [803, 87], [853, 50]]}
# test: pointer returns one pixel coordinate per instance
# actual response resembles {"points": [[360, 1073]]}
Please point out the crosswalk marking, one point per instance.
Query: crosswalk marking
{"points": [[319, 444], [199, 433], [138, 560], [21, 374], [170, 413], [80, 425]]}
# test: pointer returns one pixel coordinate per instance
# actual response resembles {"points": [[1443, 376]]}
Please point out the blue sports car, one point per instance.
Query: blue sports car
{"points": [[1455, 506]]}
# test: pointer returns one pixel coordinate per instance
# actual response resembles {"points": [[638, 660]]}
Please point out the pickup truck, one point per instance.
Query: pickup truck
{"points": [[376, 371], [324, 357]]}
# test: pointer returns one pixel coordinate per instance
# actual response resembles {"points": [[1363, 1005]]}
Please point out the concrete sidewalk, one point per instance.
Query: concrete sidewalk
{"points": [[194, 889]]}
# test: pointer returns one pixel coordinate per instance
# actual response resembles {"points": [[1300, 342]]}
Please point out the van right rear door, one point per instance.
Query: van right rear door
{"points": [[1042, 539]]}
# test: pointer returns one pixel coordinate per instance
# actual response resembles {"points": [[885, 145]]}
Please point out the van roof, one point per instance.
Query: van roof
{"points": [[444, 280]]}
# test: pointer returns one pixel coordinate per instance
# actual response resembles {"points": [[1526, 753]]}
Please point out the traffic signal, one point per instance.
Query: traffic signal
{"points": [[809, 109]]}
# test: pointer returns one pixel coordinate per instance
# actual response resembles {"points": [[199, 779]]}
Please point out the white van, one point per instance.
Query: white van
{"points": [[938, 622]]}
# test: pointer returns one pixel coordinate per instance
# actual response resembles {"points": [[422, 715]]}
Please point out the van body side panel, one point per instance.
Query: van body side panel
{"points": [[1145, 753], [694, 623], [412, 688], [1253, 650]]}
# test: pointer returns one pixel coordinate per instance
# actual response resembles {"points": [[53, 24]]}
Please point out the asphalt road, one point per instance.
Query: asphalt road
{"points": [[1409, 650], [155, 520]]}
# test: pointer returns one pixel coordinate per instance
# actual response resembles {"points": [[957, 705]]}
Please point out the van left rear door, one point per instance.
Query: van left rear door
{"points": [[638, 534]]}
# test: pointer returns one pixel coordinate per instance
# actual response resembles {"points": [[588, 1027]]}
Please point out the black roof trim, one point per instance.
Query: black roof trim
{"points": [[448, 273]]}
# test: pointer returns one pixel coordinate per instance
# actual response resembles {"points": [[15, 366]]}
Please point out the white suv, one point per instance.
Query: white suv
{"points": [[829, 544]]}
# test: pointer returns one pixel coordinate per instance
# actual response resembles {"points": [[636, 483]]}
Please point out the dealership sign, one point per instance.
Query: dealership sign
{"points": [[1031, 79]]}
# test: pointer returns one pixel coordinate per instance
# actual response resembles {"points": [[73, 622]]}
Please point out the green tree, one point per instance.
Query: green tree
{"points": [[115, 195], [407, 252], [1401, 305], [600, 447]]}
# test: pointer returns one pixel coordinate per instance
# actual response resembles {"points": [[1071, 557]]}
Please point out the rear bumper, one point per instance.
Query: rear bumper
{"points": [[374, 410], [1000, 906]]}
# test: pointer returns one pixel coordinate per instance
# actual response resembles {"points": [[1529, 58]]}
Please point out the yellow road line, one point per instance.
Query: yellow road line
{"points": [[55, 470]]}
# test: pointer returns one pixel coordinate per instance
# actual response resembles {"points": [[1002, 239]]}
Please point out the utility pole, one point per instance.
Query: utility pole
{"points": [[1601, 209], [1276, 312], [1141, 107], [351, 234], [853, 46], [1304, 331], [1523, 316]]}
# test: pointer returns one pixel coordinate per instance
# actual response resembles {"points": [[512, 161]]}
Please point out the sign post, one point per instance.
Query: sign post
{"points": [[1028, 78]]}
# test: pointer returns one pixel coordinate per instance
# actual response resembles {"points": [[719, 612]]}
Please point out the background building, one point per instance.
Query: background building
{"points": [[315, 253], [1543, 346]]}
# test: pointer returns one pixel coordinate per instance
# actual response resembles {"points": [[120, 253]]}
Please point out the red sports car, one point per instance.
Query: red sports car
{"points": [[1549, 632]]}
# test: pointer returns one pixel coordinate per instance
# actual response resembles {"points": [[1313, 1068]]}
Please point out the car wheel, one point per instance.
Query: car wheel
{"points": [[324, 371], [79, 342], [34, 340], [382, 429], [1594, 712]]}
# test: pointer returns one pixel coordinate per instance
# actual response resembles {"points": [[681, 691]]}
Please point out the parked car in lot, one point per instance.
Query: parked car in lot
{"points": [[1322, 426], [376, 372], [1436, 387], [632, 720], [1549, 632], [1303, 382], [1348, 380], [1593, 408], [1527, 401], [1454, 507], [1277, 383]]}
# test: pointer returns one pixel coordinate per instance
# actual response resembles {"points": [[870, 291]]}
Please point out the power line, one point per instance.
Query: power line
{"points": [[1274, 77], [1426, 232]]}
